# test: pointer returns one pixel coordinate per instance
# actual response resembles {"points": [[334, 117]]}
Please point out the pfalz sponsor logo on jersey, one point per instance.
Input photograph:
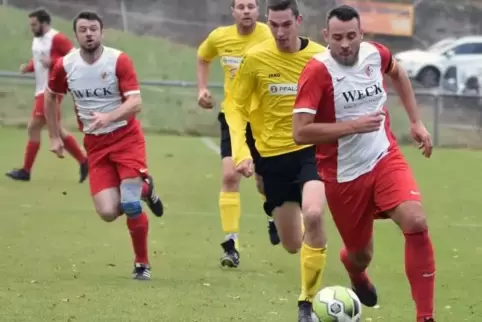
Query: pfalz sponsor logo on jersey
{"points": [[91, 92], [356, 97], [283, 89], [232, 61]]}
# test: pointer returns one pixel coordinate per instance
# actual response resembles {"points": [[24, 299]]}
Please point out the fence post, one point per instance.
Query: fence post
{"points": [[436, 118], [123, 14]]}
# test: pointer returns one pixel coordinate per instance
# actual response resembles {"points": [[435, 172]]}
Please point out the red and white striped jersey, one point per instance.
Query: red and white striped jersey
{"points": [[99, 87], [337, 93], [53, 45]]}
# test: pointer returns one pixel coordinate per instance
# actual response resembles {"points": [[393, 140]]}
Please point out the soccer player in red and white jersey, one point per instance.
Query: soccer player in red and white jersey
{"points": [[106, 93], [340, 108], [48, 46]]}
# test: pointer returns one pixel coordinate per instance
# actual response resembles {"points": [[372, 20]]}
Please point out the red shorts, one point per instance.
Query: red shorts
{"points": [[39, 106], [115, 156], [356, 204]]}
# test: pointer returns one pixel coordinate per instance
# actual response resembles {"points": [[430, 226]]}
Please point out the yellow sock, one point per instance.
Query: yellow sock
{"points": [[312, 266], [230, 211]]}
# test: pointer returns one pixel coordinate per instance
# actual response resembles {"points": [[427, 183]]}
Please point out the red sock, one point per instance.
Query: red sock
{"points": [[145, 190], [357, 276], [74, 149], [30, 155], [420, 270], [139, 228]]}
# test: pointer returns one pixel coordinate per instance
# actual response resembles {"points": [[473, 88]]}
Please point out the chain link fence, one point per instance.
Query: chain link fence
{"points": [[179, 26]]}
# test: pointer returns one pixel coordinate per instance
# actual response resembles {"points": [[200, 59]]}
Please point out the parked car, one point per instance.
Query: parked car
{"points": [[465, 78], [428, 66]]}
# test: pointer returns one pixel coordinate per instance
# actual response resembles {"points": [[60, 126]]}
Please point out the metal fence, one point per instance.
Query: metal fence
{"points": [[170, 107]]}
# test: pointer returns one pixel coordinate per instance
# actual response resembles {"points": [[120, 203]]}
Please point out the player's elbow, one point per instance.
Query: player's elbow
{"points": [[202, 61], [136, 104], [299, 136]]}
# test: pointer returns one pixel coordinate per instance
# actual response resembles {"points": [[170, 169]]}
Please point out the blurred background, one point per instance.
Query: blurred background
{"points": [[438, 42]]}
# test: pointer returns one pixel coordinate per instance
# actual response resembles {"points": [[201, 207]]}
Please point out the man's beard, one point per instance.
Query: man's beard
{"points": [[348, 61], [90, 50]]}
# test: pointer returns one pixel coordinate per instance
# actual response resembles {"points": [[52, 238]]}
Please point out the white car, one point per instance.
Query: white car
{"points": [[463, 79], [427, 66]]}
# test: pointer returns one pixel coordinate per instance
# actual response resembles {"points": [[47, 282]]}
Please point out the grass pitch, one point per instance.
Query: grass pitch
{"points": [[62, 263]]}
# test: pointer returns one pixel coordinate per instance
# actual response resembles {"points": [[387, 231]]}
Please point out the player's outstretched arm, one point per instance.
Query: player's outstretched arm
{"points": [[205, 54], [28, 67], [402, 85], [51, 117], [57, 85], [237, 110]]}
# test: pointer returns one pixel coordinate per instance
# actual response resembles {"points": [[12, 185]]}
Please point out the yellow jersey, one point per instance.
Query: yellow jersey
{"points": [[272, 76], [230, 46]]}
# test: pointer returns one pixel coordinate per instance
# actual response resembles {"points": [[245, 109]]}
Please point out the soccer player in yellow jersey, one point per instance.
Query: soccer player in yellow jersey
{"points": [[230, 44], [270, 71]]}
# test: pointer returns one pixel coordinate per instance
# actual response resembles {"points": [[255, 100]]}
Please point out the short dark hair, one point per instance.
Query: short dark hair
{"points": [[343, 13], [42, 15], [88, 15], [280, 5], [234, 2]]}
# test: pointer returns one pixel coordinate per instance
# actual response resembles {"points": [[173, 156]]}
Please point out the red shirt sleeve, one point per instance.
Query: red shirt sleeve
{"points": [[310, 87], [30, 66], [61, 46], [58, 78], [126, 74], [386, 57]]}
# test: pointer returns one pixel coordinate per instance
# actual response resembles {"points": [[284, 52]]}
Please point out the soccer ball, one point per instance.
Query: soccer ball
{"points": [[336, 304]]}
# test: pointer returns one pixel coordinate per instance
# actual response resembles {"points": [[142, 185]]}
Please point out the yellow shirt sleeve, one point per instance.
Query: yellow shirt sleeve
{"points": [[238, 108], [207, 50]]}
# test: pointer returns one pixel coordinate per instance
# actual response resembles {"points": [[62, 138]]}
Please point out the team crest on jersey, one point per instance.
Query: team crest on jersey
{"points": [[103, 76], [369, 71]]}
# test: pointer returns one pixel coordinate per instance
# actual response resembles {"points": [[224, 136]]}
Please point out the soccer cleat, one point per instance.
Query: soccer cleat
{"points": [[305, 310], [273, 233], [141, 272], [152, 199], [367, 293], [230, 256], [84, 171], [429, 320], [19, 175]]}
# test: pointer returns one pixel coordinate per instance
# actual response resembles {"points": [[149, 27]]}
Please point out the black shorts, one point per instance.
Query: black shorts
{"points": [[225, 145], [284, 175]]}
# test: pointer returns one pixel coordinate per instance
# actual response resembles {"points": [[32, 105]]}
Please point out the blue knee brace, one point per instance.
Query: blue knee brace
{"points": [[131, 208]]}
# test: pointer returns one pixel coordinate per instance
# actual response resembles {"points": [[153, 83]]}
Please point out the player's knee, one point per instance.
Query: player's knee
{"points": [[108, 213], [230, 179], [411, 217], [312, 217], [34, 130], [291, 247], [131, 208], [292, 243], [416, 223]]}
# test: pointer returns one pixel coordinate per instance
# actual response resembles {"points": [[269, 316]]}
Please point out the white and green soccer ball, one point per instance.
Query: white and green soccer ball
{"points": [[336, 304]]}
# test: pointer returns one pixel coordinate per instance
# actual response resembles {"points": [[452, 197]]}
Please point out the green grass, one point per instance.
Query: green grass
{"points": [[167, 109], [62, 263]]}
